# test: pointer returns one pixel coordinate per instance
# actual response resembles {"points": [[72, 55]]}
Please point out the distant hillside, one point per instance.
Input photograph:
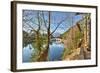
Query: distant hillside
{"points": [[27, 38], [56, 34]]}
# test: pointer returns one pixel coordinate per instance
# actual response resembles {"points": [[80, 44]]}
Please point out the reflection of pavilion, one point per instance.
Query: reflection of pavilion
{"points": [[56, 39]]}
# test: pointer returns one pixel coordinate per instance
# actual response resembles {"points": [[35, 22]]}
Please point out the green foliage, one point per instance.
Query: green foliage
{"points": [[77, 39], [72, 41], [64, 35], [38, 46], [35, 55], [67, 51]]}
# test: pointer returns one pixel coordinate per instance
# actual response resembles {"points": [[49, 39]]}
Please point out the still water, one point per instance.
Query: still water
{"points": [[55, 52]]}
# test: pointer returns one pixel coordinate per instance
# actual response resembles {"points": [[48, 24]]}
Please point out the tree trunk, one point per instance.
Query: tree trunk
{"points": [[44, 54], [48, 39]]}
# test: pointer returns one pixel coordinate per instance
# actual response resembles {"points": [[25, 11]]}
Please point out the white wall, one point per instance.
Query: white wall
{"points": [[5, 37]]}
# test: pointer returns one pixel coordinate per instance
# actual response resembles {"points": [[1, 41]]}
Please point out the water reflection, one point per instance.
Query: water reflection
{"points": [[56, 51], [54, 54], [27, 52]]}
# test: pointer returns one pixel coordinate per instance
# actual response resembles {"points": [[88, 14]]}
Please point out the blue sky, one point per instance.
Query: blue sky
{"points": [[69, 22], [56, 17]]}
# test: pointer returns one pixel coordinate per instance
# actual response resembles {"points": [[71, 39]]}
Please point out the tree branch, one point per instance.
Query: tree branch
{"points": [[44, 20], [39, 23], [58, 25], [30, 27]]}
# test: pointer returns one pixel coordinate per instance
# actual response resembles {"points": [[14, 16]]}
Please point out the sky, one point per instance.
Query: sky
{"points": [[69, 19]]}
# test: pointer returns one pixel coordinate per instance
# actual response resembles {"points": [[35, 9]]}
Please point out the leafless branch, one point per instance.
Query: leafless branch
{"points": [[58, 26], [44, 19]]}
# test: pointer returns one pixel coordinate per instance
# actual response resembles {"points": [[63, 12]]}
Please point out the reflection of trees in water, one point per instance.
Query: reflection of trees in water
{"points": [[38, 24]]}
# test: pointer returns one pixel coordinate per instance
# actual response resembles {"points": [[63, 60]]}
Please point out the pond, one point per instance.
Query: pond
{"points": [[54, 54], [27, 53]]}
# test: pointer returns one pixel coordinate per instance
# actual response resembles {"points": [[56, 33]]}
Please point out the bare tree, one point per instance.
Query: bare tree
{"points": [[42, 21], [44, 55]]}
